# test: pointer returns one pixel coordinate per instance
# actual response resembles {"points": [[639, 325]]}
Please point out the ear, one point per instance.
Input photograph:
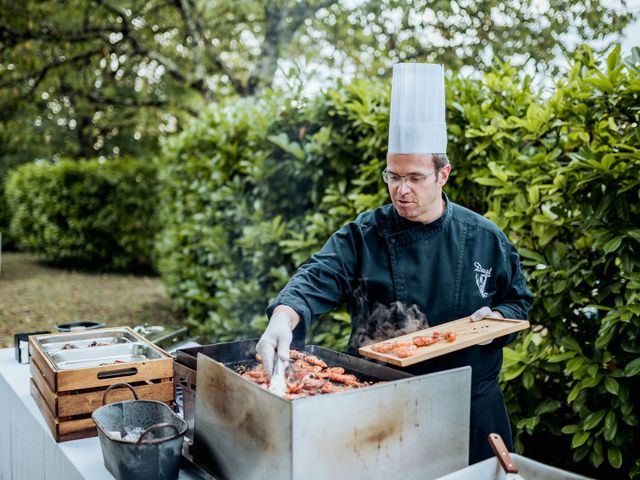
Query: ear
{"points": [[443, 174]]}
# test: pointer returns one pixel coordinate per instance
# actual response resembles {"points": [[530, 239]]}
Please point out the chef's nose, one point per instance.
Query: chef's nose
{"points": [[403, 186]]}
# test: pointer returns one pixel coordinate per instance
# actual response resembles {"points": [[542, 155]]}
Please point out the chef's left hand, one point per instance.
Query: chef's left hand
{"points": [[485, 312]]}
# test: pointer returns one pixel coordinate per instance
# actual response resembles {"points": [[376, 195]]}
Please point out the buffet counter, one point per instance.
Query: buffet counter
{"points": [[28, 450]]}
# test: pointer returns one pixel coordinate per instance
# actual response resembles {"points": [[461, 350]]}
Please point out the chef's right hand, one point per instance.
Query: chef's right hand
{"points": [[275, 340]]}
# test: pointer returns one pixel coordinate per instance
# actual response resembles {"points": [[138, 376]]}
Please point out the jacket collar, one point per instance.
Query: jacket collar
{"points": [[400, 224]]}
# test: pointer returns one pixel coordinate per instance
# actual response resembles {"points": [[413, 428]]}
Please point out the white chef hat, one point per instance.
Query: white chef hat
{"points": [[417, 123]]}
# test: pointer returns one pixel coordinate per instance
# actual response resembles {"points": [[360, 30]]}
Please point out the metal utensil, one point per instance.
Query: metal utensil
{"points": [[500, 449], [277, 383]]}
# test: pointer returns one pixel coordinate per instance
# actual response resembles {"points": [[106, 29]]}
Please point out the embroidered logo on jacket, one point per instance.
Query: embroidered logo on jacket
{"points": [[482, 274]]}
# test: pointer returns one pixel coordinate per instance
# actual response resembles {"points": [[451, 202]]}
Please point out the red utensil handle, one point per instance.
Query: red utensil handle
{"points": [[500, 449]]}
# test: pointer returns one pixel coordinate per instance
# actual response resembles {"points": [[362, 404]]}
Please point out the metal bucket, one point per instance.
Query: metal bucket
{"points": [[140, 439]]}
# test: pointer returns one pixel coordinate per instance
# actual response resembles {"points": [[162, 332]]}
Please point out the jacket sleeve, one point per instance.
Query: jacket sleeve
{"points": [[325, 281], [514, 299]]}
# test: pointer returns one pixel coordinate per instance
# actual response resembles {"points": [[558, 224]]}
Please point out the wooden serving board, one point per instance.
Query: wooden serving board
{"points": [[468, 333]]}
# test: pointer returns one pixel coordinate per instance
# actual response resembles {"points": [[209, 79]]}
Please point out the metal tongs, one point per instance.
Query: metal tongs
{"points": [[277, 383]]}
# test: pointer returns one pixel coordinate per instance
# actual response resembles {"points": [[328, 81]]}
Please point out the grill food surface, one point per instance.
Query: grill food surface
{"points": [[307, 375]]}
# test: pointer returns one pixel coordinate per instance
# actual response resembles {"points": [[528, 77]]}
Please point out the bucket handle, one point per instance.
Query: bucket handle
{"points": [[156, 427], [120, 384]]}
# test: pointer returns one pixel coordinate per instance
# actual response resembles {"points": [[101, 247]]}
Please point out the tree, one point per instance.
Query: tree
{"points": [[82, 78]]}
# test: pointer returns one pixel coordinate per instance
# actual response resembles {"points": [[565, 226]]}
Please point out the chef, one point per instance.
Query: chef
{"points": [[421, 253]]}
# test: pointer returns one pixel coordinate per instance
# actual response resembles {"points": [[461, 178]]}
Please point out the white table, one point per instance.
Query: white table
{"points": [[28, 450]]}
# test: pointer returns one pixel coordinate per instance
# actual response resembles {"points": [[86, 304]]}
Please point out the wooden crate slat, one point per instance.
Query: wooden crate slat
{"points": [[46, 413], [78, 434], [88, 402], [46, 367], [65, 428], [48, 395], [88, 377]]}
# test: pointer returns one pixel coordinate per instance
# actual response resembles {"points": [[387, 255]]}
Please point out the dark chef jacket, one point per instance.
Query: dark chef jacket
{"points": [[448, 268]]}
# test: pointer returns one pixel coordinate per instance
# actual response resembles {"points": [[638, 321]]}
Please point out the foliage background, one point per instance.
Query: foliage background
{"points": [[556, 168], [91, 213], [251, 189], [105, 78]]}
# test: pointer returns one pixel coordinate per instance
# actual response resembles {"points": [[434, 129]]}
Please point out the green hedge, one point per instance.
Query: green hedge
{"points": [[235, 184], [564, 184], [252, 188], [5, 218], [90, 213], [6, 165]]}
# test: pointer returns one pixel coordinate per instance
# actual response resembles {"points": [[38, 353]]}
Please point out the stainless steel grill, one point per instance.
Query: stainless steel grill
{"points": [[407, 427]]}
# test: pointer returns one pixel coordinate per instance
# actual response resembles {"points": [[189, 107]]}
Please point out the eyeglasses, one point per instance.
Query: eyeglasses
{"points": [[411, 179]]}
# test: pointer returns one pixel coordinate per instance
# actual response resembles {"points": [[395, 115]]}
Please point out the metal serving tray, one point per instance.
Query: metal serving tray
{"points": [[76, 340], [100, 356], [490, 469]]}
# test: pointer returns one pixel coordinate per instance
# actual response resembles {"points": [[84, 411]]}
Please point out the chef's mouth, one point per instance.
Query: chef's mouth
{"points": [[403, 203]]}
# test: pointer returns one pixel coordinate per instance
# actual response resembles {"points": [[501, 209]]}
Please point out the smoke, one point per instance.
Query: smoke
{"points": [[392, 321], [383, 322]]}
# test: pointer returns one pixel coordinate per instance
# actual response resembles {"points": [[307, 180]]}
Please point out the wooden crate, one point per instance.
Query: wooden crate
{"points": [[63, 429], [67, 398]]}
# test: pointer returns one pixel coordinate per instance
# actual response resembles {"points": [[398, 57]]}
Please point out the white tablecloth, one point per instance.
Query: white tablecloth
{"points": [[28, 450]]}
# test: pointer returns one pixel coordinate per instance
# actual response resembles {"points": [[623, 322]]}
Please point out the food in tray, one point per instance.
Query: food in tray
{"points": [[308, 375], [110, 354], [85, 340], [115, 362], [411, 348], [95, 343]]}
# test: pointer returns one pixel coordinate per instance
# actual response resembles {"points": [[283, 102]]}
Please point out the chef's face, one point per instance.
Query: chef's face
{"points": [[415, 186]]}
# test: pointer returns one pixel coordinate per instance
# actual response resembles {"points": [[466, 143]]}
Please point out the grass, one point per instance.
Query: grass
{"points": [[35, 296]]}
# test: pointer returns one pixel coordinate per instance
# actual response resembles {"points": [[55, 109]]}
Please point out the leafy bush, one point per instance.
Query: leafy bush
{"points": [[564, 183], [238, 185], [7, 163], [5, 218], [254, 187], [96, 214]]}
